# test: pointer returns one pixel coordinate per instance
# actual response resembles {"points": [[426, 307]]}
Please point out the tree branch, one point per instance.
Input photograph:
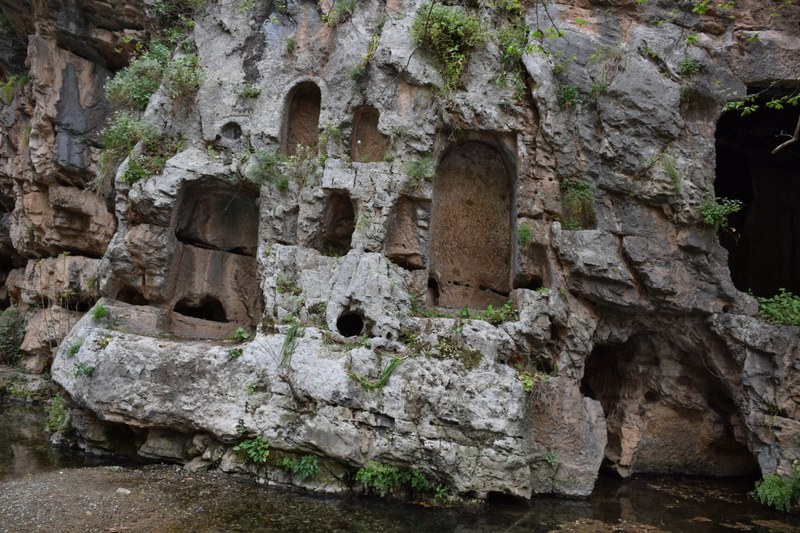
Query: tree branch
{"points": [[793, 140]]}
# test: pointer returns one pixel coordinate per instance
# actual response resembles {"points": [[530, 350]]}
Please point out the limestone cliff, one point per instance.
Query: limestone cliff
{"points": [[314, 261]]}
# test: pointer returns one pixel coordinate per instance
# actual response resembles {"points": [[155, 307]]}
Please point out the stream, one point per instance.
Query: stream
{"points": [[646, 503]]}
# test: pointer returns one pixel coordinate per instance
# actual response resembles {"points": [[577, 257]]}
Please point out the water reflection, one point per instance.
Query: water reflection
{"points": [[669, 504]]}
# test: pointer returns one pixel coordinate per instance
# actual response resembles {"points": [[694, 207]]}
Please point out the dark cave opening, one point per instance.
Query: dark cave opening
{"points": [[763, 241], [133, 296], [339, 222], [206, 308], [350, 324]]}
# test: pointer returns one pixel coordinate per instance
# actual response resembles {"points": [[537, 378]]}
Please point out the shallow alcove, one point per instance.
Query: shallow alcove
{"points": [[470, 236], [133, 296], [205, 308], [406, 233], [216, 215], [335, 233], [665, 411], [231, 130], [350, 324], [764, 242], [301, 117], [368, 144]]}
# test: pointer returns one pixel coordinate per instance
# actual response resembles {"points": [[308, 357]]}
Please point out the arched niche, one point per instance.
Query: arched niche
{"points": [[407, 231], [368, 144], [216, 215], [301, 117], [470, 235], [764, 240]]}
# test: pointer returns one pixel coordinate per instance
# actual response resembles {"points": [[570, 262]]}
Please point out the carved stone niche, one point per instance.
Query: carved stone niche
{"points": [[368, 144], [407, 233], [470, 249], [335, 233], [213, 284], [301, 117]]}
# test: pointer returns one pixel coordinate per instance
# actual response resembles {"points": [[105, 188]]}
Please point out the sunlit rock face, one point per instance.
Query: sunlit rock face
{"points": [[326, 258]]}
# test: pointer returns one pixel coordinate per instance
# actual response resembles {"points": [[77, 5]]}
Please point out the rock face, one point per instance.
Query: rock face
{"points": [[333, 300]]}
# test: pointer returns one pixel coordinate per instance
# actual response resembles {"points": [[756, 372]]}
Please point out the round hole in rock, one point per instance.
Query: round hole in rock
{"points": [[231, 131], [350, 324], [207, 308]]}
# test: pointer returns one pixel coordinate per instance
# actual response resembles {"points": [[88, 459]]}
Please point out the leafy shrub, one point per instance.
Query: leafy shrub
{"points": [[450, 34], [240, 335], [234, 353], [340, 10], [783, 308], [183, 76], [11, 85], [568, 95], [82, 370], [134, 171], [688, 66], [268, 167], [249, 91], [124, 130], [421, 169], [12, 332], [255, 450], [133, 86], [715, 212], [779, 492], [524, 235], [73, 349], [577, 197], [305, 468], [56, 414], [513, 40], [379, 478], [504, 313]]}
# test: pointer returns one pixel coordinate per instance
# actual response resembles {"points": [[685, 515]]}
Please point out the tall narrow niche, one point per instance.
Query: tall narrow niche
{"points": [[470, 245], [368, 143], [214, 270], [301, 122]]}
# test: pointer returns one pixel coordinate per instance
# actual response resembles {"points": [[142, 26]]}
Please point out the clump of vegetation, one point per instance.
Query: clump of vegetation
{"points": [[386, 373], [381, 479], [421, 169], [450, 34], [689, 66], [255, 450], [183, 77], [576, 201], [73, 349], [98, 312], [524, 235], [783, 308], [11, 85], [248, 91], [504, 313], [450, 348], [305, 468], [56, 414], [530, 381], [82, 370], [715, 211], [287, 285], [779, 492], [240, 335], [12, 333], [125, 129], [234, 353], [132, 87], [339, 12], [568, 95], [267, 167]]}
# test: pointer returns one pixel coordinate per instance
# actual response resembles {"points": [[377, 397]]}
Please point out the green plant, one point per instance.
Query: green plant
{"points": [[12, 333], [183, 77], [669, 162], [504, 313], [82, 370], [234, 353], [56, 414], [568, 95], [289, 344], [441, 495], [267, 167], [289, 45], [285, 284], [421, 169], [133, 86], [783, 308], [450, 34], [251, 388], [73, 349], [524, 235], [779, 492], [305, 468], [134, 172], [381, 479], [255, 450], [530, 381], [386, 373], [577, 197], [124, 130], [599, 88], [98, 312], [11, 85], [239, 335], [248, 91], [339, 11], [357, 72], [715, 211], [688, 66], [418, 481]]}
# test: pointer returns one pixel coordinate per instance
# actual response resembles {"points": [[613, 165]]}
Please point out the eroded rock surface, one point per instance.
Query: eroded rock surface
{"points": [[573, 192]]}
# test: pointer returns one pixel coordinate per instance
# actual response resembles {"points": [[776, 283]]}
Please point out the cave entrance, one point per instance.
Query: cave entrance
{"points": [[764, 242], [350, 324], [205, 308], [470, 246], [368, 144], [301, 123], [338, 224], [665, 412]]}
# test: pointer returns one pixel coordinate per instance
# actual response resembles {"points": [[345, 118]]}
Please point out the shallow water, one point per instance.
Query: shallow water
{"points": [[666, 503]]}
